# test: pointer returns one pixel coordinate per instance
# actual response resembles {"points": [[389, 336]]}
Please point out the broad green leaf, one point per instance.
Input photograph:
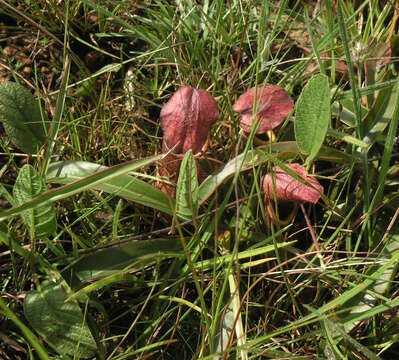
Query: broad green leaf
{"points": [[389, 144], [85, 183], [187, 188], [282, 150], [60, 323], [118, 259], [313, 115], [20, 114], [125, 186], [40, 219], [253, 158]]}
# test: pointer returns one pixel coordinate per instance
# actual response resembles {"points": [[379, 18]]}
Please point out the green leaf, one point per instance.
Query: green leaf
{"points": [[283, 150], [253, 158], [313, 115], [40, 219], [60, 323], [187, 188], [84, 183], [21, 117], [125, 186], [115, 260]]}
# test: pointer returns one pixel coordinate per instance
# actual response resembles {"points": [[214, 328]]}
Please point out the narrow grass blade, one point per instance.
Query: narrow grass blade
{"points": [[56, 122], [314, 44], [99, 284], [10, 242], [336, 328], [236, 308], [367, 90], [225, 259], [355, 93]]}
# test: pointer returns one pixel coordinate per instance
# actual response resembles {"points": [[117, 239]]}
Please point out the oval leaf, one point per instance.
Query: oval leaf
{"points": [[60, 323], [313, 115], [20, 114], [40, 219]]}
